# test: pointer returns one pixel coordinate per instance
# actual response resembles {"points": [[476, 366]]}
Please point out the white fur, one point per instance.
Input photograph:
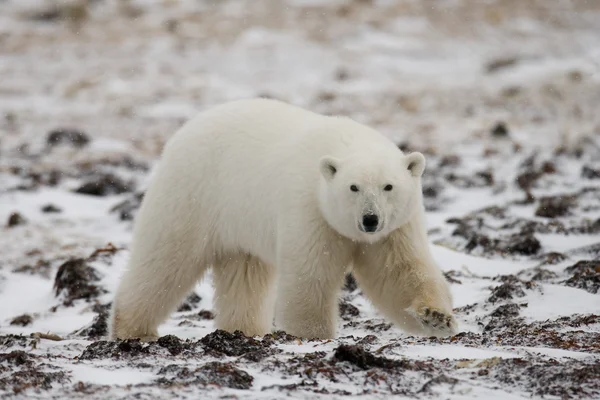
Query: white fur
{"points": [[260, 191]]}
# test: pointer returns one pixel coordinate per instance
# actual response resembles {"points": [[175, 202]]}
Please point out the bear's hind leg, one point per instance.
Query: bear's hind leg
{"points": [[148, 292], [244, 294]]}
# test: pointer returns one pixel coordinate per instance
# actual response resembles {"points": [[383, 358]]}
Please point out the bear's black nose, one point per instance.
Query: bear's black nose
{"points": [[370, 222]]}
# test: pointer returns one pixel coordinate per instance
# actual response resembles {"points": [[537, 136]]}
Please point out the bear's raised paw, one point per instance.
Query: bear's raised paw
{"points": [[436, 321]]}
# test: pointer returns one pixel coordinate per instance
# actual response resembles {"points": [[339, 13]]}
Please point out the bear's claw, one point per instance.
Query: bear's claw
{"points": [[438, 322]]}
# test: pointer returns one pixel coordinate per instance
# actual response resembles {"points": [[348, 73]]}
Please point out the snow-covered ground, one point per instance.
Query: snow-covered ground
{"points": [[501, 96]]}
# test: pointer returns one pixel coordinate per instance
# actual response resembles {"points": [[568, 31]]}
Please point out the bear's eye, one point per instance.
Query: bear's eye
{"points": [[388, 188], [354, 188]]}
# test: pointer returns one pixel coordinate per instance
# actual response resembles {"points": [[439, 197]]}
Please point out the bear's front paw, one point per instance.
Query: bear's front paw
{"points": [[436, 321]]}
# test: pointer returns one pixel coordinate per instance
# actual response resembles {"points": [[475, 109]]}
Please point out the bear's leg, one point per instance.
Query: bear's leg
{"points": [[149, 291], [403, 281], [244, 294], [417, 303], [310, 279]]}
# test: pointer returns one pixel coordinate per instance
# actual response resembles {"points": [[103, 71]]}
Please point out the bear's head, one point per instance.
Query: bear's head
{"points": [[365, 198]]}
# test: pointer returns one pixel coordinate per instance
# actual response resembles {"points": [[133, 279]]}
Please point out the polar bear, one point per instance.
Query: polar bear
{"points": [[282, 203]]}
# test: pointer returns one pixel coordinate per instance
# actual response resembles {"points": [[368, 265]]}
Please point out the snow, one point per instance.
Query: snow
{"points": [[101, 376]]}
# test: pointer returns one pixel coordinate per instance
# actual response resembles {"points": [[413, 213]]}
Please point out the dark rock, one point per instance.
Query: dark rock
{"points": [[377, 327], [350, 284], [511, 91], [41, 267], [527, 179], [449, 161], [206, 314], [326, 97], [212, 373], [279, 337], [524, 244], [363, 359], [74, 278], [548, 378], [548, 167], [341, 74], [22, 320], [230, 344], [114, 349], [367, 340], [503, 317], [190, 303], [500, 64], [479, 179], [486, 176], [51, 208], [431, 191], [556, 206], [451, 277], [543, 275], [135, 348], [590, 173], [586, 275], [553, 258], [348, 311], [99, 326], [104, 185], [8, 341], [575, 76], [506, 311], [32, 180], [127, 208], [470, 227], [31, 379], [15, 219], [73, 137], [499, 130], [171, 343], [46, 14], [510, 288], [16, 357], [405, 147]]}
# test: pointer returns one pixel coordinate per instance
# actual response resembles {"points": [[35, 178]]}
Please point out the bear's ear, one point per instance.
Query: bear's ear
{"points": [[329, 167], [415, 163]]}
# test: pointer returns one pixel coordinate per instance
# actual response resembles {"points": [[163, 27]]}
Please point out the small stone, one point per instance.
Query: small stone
{"points": [[190, 303], [553, 207], [348, 311], [171, 343], [524, 244], [206, 314], [22, 320], [350, 285], [104, 185], [15, 219], [575, 76], [341, 74], [73, 137], [51, 208], [590, 173], [500, 130], [74, 278], [500, 64]]}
